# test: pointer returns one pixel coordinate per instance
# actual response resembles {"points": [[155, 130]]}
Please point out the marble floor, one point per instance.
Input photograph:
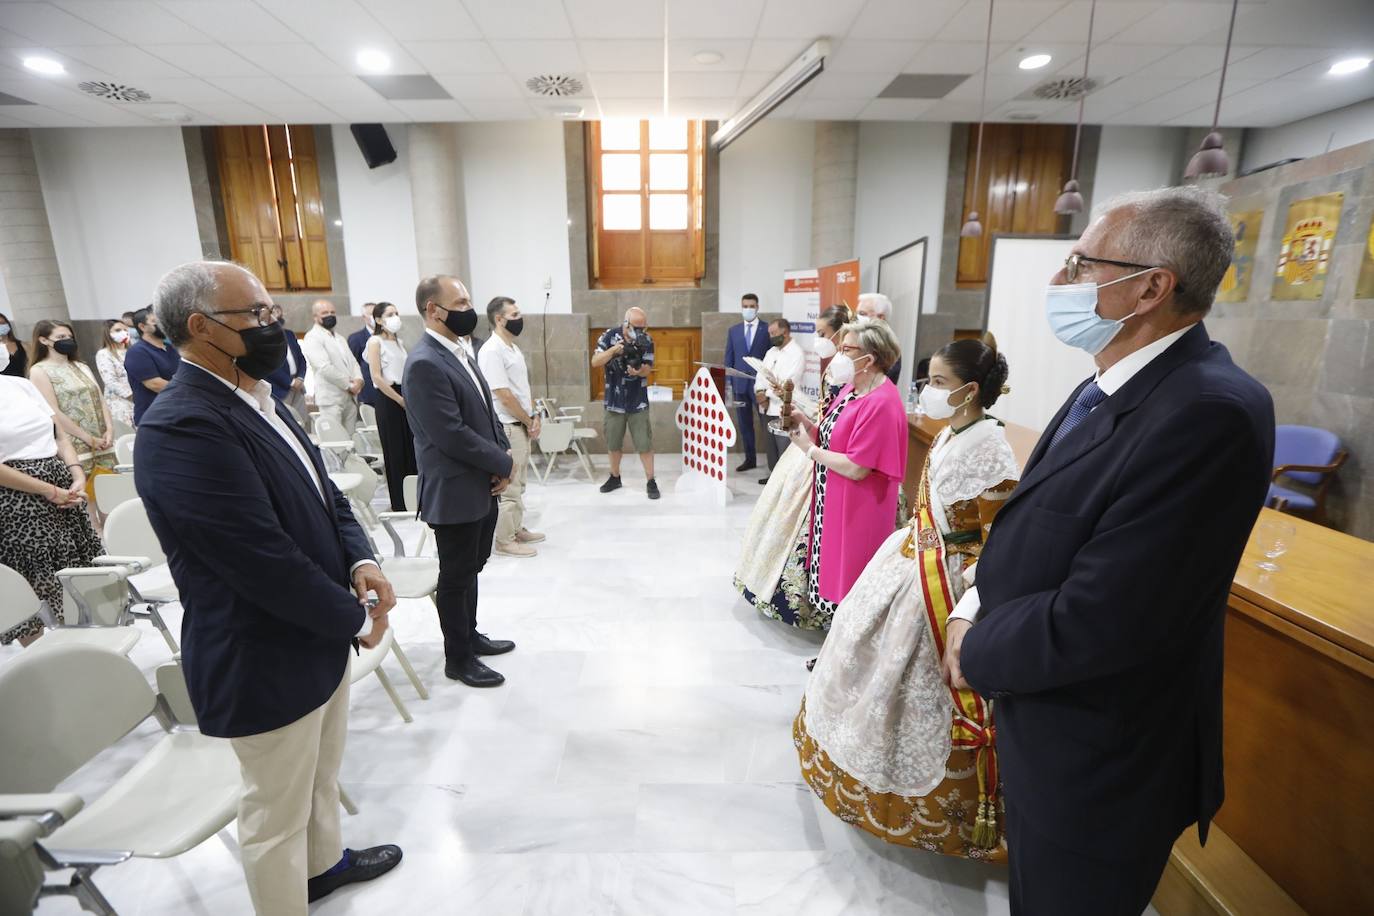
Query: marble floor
{"points": [[638, 760]]}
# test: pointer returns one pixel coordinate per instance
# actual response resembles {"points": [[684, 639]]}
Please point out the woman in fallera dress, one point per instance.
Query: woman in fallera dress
{"points": [[777, 519], [883, 741]]}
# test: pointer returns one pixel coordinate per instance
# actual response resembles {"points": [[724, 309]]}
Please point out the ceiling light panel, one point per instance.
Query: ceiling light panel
{"points": [[405, 86]]}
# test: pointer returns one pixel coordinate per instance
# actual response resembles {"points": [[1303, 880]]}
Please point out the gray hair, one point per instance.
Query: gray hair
{"points": [[876, 339], [1185, 230], [181, 293], [881, 304]]}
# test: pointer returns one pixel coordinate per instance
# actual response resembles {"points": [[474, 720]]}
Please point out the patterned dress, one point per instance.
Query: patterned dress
{"points": [[119, 396], [78, 396]]}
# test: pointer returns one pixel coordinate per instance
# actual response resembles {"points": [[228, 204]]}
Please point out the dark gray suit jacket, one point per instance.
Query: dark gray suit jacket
{"points": [[459, 443]]}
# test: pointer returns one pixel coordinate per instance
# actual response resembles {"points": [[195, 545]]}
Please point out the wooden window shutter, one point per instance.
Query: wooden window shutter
{"points": [[250, 203]]}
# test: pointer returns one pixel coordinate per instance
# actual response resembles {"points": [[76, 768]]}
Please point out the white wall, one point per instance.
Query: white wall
{"points": [[515, 197], [378, 226], [765, 211], [1310, 136], [119, 203], [1137, 159]]}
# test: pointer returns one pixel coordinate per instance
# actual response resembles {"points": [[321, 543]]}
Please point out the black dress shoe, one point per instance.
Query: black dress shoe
{"points": [[473, 673], [363, 865], [747, 466], [484, 646], [763, 482]]}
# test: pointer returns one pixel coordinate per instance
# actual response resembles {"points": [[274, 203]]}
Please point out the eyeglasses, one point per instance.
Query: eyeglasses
{"points": [[262, 314], [1074, 262]]}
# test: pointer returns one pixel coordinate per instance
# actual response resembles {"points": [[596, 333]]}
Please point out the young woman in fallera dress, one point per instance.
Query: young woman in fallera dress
{"points": [[883, 741]]}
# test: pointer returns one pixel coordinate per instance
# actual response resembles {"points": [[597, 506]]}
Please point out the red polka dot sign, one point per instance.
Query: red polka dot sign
{"points": [[707, 428]]}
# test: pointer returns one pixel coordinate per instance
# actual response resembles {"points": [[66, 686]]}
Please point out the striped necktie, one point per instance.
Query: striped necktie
{"points": [[1083, 405]]}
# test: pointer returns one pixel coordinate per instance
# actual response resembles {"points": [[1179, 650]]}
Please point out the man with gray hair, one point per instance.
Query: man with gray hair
{"points": [[879, 307], [278, 581], [1100, 597]]}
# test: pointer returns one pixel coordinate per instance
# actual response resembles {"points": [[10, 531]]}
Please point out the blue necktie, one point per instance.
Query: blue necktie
{"points": [[749, 337], [1082, 405]]}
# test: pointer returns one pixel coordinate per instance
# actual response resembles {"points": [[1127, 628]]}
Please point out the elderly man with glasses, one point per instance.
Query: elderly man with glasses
{"points": [[278, 581]]}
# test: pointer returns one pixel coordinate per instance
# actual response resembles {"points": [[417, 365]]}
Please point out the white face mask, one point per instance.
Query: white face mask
{"points": [[842, 369], [825, 347], [119, 337], [392, 323], [935, 402]]}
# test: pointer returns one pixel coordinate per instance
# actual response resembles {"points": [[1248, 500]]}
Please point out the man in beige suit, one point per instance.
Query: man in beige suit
{"points": [[337, 376]]}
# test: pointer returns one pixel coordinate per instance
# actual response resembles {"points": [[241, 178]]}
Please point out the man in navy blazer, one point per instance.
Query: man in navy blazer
{"points": [[748, 338], [357, 343], [273, 574], [464, 461], [1104, 580], [288, 379]]}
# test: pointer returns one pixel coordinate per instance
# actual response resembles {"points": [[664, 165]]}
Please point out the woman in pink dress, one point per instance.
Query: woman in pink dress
{"points": [[859, 450]]}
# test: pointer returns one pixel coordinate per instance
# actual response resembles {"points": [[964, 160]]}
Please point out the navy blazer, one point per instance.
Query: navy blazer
{"points": [[459, 442], [260, 561], [735, 352], [280, 378], [1103, 586], [357, 344]]}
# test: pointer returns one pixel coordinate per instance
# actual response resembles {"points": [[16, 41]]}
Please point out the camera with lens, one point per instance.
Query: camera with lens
{"points": [[632, 352]]}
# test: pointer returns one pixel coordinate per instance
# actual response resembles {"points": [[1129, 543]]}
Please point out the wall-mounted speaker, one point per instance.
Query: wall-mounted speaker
{"points": [[375, 144]]}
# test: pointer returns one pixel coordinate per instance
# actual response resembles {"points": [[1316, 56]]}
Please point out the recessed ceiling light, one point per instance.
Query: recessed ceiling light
{"points": [[1035, 61], [1341, 67], [44, 65], [708, 58], [373, 61]]}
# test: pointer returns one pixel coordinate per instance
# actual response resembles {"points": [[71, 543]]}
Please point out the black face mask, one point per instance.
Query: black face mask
{"points": [[265, 349], [514, 326], [777, 340], [460, 323], [66, 346], [328, 322]]}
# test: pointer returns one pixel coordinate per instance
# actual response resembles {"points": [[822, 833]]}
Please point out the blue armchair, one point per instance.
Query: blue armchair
{"points": [[1309, 456]]}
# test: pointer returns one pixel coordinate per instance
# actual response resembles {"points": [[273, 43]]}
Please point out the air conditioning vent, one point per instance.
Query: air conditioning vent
{"points": [[115, 92], [1069, 89], [554, 84]]}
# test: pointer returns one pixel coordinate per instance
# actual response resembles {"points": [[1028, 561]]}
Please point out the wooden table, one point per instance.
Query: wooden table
{"points": [[1298, 707]]}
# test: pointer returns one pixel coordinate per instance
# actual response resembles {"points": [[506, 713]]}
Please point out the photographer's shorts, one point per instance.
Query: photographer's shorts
{"points": [[638, 423]]}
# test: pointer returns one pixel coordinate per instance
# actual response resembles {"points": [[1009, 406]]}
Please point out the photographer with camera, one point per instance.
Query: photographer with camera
{"points": [[626, 354]]}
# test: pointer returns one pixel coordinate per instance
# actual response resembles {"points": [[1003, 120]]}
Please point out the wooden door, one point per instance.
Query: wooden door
{"points": [[676, 353]]}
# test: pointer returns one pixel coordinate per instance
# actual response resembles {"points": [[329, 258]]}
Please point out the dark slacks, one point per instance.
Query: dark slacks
{"points": [[398, 447], [774, 444], [463, 552], [745, 414], [1049, 880]]}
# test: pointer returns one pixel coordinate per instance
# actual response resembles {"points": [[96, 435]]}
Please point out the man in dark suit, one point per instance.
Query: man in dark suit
{"points": [[273, 573], [748, 338], [357, 343], [288, 379], [1103, 582], [464, 461]]}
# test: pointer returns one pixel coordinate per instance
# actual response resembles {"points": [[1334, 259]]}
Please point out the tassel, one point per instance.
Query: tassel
{"points": [[985, 826], [984, 833]]}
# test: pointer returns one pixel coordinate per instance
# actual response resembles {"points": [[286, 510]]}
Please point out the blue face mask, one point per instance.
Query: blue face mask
{"points": [[1072, 313]]}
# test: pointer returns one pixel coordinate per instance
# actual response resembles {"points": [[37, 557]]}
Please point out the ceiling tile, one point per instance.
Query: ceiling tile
{"points": [[423, 20], [206, 60], [1118, 60], [526, 58], [1326, 23], [465, 86], [615, 19], [632, 108], [703, 85], [704, 109], [140, 22], [621, 56], [951, 110], [125, 62], [234, 112], [46, 24], [187, 90], [1010, 21], [831, 109], [864, 86], [330, 89], [520, 19], [772, 55], [231, 20], [714, 18], [734, 54], [295, 59], [347, 29], [1070, 22], [378, 112], [808, 18], [49, 117], [626, 85], [259, 90], [1271, 63], [751, 84], [857, 55], [903, 19], [1193, 18], [303, 113], [433, 110], [1009, 61], [440, 57], [951, 57], [895, 109], [1194, 61], [499, 110]]}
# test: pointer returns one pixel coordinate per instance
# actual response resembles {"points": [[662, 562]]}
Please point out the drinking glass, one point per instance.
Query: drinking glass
{"points": [[1274, 536]]}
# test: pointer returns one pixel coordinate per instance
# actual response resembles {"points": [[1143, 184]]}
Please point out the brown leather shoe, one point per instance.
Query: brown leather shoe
{"points": [[514, 549], [526, 536]]}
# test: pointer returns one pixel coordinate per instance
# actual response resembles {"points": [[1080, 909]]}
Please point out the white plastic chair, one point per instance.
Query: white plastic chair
{"points": [[410, 491], [367, 414], [361, 495], [124, 453], [183, 791], [129, 534], [113, 489], [18, 603], [558, 436]]}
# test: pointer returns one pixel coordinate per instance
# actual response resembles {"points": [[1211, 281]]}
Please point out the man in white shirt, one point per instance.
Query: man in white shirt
{"points": [[337, 377], [503, 366], [785, 362]]}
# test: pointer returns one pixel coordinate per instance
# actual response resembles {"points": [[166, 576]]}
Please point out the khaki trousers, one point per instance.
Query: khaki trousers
{"points": [[345, 414], [289, 810], [512, 499]]}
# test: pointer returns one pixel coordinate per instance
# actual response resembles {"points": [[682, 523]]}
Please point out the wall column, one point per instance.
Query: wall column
{"points": [[436, 192], [834, 191], [27, 257]]}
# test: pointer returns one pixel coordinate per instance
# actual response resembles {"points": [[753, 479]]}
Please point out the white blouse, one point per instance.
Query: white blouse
{"points": [[27, 432], [393, 358]]}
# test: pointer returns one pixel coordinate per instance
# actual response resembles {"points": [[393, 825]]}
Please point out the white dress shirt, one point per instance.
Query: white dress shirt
{"points": [[785, 363], [259, 397], [503, 366], [461, 348], [1111, 381]]}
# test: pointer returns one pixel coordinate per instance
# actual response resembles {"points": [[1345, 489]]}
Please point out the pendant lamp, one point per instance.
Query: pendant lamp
{"points": [[1210, 159], [972, 227], [1070, 201]]}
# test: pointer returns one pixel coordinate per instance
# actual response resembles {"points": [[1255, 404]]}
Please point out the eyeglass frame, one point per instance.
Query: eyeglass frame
{"points": [[1072, 262], [257, 311]]}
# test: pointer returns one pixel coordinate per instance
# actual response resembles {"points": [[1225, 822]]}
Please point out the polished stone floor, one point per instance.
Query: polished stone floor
{"points": [[638, 761]]}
